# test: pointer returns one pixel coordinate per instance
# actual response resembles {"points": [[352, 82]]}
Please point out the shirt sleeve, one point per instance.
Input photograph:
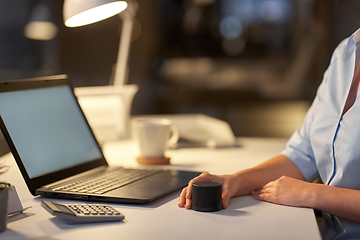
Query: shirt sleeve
{"points": [[299, 149]]}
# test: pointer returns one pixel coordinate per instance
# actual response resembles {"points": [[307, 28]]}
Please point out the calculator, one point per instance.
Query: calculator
{"points": [[83, 213]]}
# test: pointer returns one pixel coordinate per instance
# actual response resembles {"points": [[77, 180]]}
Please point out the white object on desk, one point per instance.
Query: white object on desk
{"points": [[14, 204], [153, 137], [201, 130], [107, 109]]}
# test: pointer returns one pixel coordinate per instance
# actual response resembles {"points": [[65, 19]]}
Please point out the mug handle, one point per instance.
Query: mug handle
{"points": [[175, 134]]}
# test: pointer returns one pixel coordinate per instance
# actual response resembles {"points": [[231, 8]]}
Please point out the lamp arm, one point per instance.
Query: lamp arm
{"points": [[121, 68]]}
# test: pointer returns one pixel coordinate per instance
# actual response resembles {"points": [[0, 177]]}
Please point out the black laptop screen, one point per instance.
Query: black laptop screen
{"points": [[48, 129]]}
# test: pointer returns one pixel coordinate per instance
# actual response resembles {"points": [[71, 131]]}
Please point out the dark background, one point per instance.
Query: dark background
{"points": [[253, 63]]}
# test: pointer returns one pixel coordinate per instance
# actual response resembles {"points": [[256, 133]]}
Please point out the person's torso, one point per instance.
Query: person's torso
{"points": [[335, 139]]}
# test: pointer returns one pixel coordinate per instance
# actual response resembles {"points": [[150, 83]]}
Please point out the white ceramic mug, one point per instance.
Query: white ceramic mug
{"points": [[154, 136]]}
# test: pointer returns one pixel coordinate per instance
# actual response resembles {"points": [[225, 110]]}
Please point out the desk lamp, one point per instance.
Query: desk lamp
{"points": [[83, 12]]}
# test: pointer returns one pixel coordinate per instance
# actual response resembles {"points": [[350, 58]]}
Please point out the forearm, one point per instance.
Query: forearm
{"points": [[255, 178], [290, 191], [244, 182], [337, 201]]}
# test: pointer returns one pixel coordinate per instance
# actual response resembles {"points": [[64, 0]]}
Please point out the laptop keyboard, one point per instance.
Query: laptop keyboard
{"points": [[105, 181]]}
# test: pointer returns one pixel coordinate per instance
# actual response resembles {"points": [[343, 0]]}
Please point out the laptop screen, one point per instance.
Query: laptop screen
{"points": [[48, 129]]}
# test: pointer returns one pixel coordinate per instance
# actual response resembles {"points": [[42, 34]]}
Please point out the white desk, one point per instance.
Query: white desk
{"points": [[245, 218]]}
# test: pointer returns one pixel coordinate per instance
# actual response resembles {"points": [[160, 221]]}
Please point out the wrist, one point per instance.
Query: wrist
{"points": [[242, 182], [312, 195]]}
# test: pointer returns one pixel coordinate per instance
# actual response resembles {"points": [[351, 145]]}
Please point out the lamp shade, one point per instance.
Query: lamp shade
{"points": [[83, 12]]}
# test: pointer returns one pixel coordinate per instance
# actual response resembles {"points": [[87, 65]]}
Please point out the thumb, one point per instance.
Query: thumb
{"points": [[225, 198], [226, 195]]}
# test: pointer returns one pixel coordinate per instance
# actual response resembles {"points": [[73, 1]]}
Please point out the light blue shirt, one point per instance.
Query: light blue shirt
{"points": [[328, 144]]}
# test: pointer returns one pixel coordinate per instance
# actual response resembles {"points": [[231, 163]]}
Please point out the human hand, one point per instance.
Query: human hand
{"points": [[224, 180], [285, 191]]}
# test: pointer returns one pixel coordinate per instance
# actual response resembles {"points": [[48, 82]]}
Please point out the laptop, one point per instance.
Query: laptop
{"points": [[57, 153]]}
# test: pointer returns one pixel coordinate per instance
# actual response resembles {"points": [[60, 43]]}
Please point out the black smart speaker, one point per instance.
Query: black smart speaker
{"points": [[206, 196]]}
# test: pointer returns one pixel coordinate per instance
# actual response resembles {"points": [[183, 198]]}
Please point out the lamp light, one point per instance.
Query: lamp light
{"points": [[83, 12], [40, 25]]}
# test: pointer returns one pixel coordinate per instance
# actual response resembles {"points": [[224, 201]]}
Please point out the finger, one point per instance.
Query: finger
{"points": [[269, 184], [264, 190], [189, 189], [182, 200], [188, 203], [259, 195], [225, 201], [225, 195], [255, 194], [262, 195]]}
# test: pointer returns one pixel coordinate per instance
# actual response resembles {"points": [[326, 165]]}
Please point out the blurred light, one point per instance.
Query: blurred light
{"points": [[192, 18], [39, 30], [79, 13], [231, 27], [40, 25], [136, 31], [233, 47], [203, 2], [271, 11]]}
